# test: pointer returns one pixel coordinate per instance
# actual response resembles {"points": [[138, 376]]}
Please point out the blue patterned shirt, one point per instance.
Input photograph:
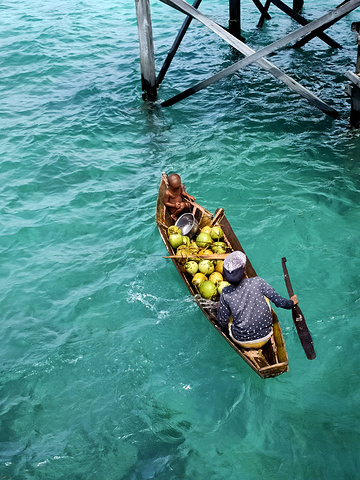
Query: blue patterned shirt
{"points": [[245, 302]]}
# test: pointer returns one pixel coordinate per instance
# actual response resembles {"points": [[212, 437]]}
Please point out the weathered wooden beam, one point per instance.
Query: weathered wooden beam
{"points": [[261, 9], [175, 46], [355, 27], [271, 68], [355, 100], [263, 14], [355, 79], [184, 7], [316, 32], [330, 17], [235, 18], [298, 18], [147, 59]]}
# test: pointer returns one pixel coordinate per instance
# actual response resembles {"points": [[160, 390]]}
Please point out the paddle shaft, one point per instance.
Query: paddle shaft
{"points": [[298, 318], [287, 278]]}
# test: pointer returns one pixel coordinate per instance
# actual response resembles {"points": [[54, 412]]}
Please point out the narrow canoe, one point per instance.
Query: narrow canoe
{"points": [[269, 361]]}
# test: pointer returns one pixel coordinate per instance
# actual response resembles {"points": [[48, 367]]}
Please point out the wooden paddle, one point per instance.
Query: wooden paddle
{"points": [[299, 320]]}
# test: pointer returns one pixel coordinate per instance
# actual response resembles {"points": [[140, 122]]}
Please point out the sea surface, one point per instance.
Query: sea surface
{"points": [[108, 368]]}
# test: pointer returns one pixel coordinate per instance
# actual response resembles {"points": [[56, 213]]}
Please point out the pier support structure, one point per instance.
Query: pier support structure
{"points": [[355, 79], [232, 35], [235, 18], [147, 59], [297, 5], [355, 27]]}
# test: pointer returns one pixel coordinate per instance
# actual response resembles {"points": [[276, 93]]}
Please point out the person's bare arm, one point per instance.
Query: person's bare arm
{"points": [[186, 195]]}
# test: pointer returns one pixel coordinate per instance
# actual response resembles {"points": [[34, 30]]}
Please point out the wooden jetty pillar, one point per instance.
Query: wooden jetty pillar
{"points": [[147, 59], [235, 18], [355, 27], [355, 79], [297, 5]]}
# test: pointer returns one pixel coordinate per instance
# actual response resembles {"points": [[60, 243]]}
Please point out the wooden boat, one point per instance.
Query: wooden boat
{"points": [[269, 361]]}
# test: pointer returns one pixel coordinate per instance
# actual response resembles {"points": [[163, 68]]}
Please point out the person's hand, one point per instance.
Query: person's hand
{"points": [[294, 299], [178, 204]]}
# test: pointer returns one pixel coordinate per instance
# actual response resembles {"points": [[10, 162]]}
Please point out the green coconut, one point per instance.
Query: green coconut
{"points": [[219, 266], [193, 248], [205, 251], [186, 240], [222, 285], [216, 232], [191, 267], [173, 229], [206, 229], [183, 252], [208, 289], [203, 240], [198, 278], [219, 247], [220, 244], [175, 240], [206, 267], [216, 277]]}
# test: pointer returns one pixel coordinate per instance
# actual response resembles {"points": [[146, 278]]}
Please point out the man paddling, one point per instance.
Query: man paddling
{"points": [[244, 303], [175, 195]]}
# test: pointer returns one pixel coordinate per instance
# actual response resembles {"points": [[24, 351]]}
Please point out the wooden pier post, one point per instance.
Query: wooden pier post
{"points": [[147, 59], [355, 27], [297, 5], [355, 79], [235, 18]]}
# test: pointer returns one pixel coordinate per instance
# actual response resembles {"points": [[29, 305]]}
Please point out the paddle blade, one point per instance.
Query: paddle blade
{"points": [[303, 333], [299, 320]]}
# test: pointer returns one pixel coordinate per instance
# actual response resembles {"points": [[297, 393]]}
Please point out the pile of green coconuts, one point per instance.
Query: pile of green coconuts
{"points": [[206, 274]]}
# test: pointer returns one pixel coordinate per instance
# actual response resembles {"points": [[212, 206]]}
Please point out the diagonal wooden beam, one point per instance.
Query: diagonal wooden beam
{"points": [[252, 56], [298, 18], [261, 9], [329, 18], [271, 68], [175, 46], [264, 13], [316, 33]]}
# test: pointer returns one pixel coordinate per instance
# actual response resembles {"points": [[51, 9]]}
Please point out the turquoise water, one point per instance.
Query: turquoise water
{"points": [[108, 369]]}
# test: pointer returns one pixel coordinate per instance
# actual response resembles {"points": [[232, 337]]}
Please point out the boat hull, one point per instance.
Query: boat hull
{"points": [[272, 359]]}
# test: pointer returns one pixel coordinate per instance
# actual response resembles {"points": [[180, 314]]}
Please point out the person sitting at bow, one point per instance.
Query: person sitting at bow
{"points": [[176, 197]]}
